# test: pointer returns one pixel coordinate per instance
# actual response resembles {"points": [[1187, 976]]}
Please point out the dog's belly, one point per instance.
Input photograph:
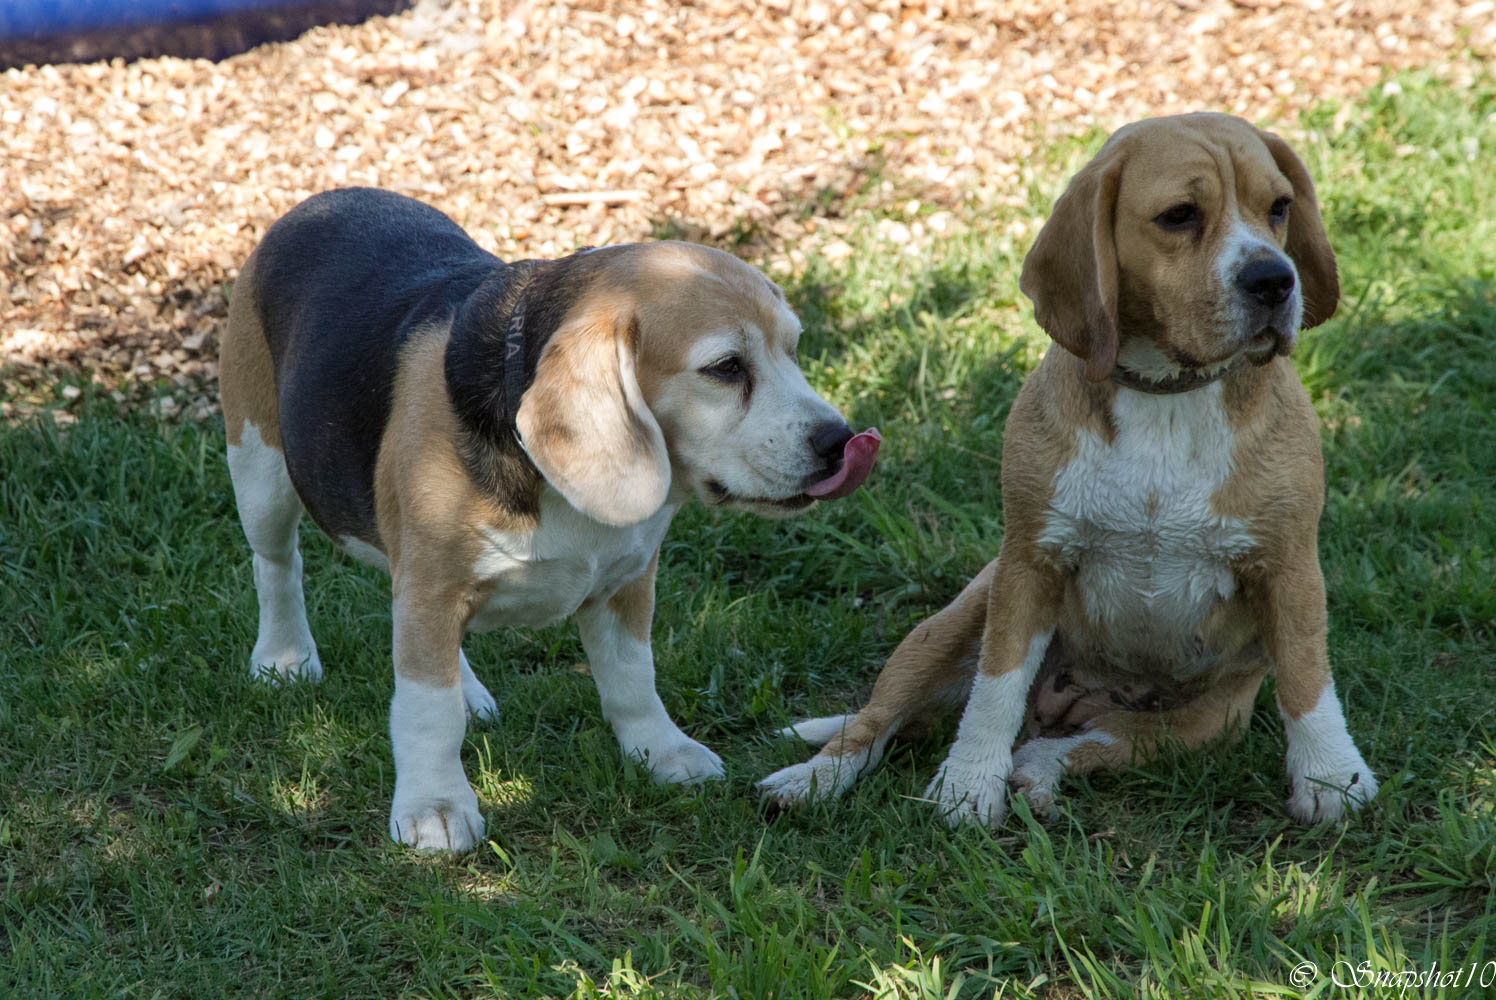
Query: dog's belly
{"points": [[1150, 611], [542, 577]]}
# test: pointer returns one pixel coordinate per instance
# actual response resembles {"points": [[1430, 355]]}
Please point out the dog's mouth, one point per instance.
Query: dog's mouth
{"points": [[858, 455], [1263, 346], [1267, 344], [720, 496]]}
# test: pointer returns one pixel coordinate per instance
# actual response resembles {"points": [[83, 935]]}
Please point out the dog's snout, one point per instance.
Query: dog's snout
{"points": [[827, 440], [1267, 280]]}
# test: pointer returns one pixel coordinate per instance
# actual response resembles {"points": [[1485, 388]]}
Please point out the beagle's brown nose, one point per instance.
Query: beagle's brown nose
{"points": [[1268, 280], [827, 440]]}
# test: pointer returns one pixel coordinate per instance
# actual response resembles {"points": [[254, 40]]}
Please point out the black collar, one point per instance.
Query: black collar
{"points": [[514, 358], [1187, 381], [515, 377]]}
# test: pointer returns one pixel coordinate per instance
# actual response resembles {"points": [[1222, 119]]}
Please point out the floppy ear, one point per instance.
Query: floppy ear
{"points": [[1071, 270], [584, 423], [1307, 243]]}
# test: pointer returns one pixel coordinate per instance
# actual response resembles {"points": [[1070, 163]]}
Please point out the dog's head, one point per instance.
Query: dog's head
{"points": [[1185, 244], [673, 366]]}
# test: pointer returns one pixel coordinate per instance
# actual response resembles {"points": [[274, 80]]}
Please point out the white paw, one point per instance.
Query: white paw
{"points": [[480, 704], [448, 823], [818, 778], [972, 791], [1039, 787], [680, 762], [285, 664], [1326, 794], [1039, 764]]}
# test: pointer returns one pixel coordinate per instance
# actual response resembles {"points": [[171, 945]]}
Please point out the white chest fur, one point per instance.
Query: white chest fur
{"points": [[544, 576], [1133, 520]]}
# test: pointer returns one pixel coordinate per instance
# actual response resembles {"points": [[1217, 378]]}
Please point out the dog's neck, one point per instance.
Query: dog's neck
{"points": [[1145, 367], [516, 373], [1185, 381]]}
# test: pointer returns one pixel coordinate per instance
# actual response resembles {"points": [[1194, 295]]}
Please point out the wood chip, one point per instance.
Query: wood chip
{"points": [[130, 193]]}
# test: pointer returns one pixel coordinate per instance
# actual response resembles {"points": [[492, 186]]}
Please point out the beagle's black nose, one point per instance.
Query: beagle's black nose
{"points": [[1268, 280], [829, 439]]}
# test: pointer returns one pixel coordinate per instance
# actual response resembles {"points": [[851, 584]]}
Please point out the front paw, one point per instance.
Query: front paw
{"points": [[1327, 792], [972, 791], [437, 823], [678, 761]]}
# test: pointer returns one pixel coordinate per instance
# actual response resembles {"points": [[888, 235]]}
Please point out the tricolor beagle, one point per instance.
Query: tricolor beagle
{"points": [[510, 442], [1162, 486]]}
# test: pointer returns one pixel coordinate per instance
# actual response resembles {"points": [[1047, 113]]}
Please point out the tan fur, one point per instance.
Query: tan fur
{"points": [[247, 382], [1101, 269], [634, 603], [428, 511], [585, 422], [1071, 272]]}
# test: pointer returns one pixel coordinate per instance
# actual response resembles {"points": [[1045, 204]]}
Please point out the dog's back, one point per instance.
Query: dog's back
{"points": [[353, 273]]}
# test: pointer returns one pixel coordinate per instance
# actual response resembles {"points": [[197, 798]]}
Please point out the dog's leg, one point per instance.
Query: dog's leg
{"points": [[615, 635], [480, 704], [1116, 738], [434, 808], [1326, 772], [270, 510], [929, 672], [1022, 608]]}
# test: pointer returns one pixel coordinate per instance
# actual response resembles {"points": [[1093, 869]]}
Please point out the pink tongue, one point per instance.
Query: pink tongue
{"points": [[857, 462]]}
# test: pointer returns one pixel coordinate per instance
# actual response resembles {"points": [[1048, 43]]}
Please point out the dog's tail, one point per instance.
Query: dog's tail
{"points": [[818, 732]]}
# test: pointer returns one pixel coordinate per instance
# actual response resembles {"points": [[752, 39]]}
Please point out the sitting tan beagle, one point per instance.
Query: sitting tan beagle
{"points": [[510, 441], [1162, 486]]}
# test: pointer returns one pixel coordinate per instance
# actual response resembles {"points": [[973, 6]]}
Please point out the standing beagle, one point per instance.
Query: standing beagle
{"points": [[510, 441], [1162, 486]]}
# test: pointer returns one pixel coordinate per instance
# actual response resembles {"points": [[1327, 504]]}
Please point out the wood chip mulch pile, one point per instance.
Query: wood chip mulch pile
{"points": [[130, 193]]}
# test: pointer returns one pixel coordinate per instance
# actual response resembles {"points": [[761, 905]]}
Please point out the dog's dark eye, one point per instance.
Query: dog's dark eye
{"points": [[729, 369], [1279, 212], [1178, 218]]}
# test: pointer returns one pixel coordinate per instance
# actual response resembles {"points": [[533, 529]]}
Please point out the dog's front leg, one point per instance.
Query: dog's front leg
{"points": [[1326, 772], [435, 808], [1023, 606], [615, 634]]}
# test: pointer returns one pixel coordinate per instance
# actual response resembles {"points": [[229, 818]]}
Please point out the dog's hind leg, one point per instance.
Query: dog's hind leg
{"points": [[268, 505], [928, 674], [818, 732], [270, 510], [1115, 739]]}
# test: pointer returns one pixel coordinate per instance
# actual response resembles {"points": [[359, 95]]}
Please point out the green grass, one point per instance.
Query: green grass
{"points": [[169, 828]]}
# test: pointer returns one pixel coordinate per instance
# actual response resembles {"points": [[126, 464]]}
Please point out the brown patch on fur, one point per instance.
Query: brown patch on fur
{"points": [[1278, 489], [428, 511], [635, 601], [584, 420], [1307, 242], [1071, 271], [682, 290], [246, 378]]}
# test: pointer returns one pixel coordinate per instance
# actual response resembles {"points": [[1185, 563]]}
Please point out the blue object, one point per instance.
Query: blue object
{"points": [[43, 31], [37, 19]]}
